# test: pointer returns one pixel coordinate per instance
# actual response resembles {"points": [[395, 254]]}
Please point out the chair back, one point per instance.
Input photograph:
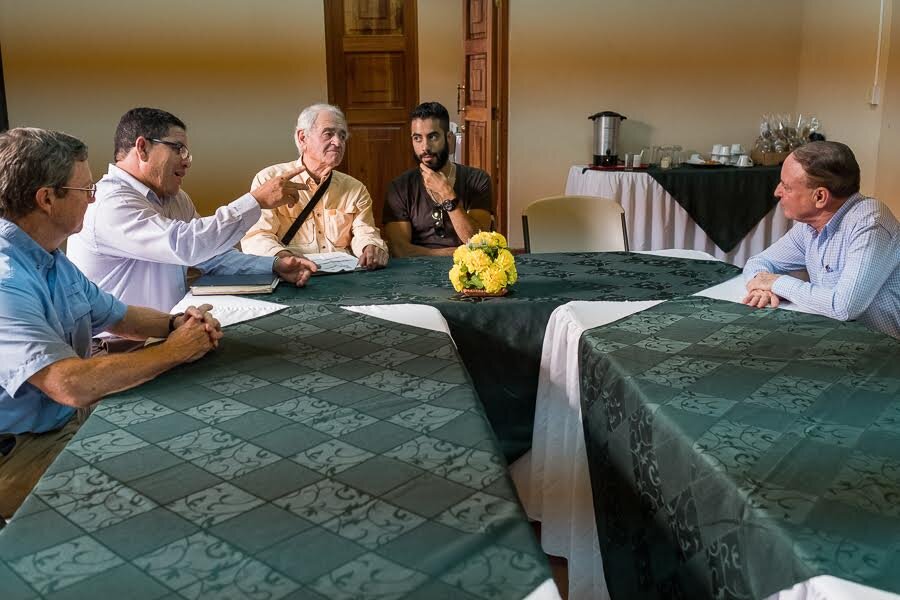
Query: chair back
{"points": [[574, 224]]}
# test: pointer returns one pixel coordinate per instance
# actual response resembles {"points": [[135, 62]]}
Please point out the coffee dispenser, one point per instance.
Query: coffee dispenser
{"points": [[606, 137]]}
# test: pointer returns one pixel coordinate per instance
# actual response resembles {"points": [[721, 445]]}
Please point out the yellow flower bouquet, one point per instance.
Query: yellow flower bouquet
{"points": [[483, 266]]}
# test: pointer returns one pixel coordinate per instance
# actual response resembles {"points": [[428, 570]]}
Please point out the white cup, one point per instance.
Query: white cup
{"points": [[637, 161], [726, 150], [744, 161], [717, 149], [724, 159], [695, 158], [737, 149]]}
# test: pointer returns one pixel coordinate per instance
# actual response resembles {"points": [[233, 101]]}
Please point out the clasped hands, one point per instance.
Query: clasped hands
{"points": [[197, 330], [759, 291]]}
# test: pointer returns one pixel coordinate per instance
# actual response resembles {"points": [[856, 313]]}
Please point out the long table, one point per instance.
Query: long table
{"points": [[319, 453], [690, 208], [735, 452], [500, 339]]}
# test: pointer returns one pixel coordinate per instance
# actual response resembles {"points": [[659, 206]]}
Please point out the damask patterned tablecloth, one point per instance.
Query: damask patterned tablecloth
{"points": [[318, 453], [500, 339], [735, 452]]}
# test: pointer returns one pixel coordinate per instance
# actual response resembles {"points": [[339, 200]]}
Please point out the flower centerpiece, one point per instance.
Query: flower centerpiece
{"points": [[484, 266]]}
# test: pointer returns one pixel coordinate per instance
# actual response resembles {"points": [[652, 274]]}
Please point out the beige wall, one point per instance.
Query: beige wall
{"points": [[887, 184], [696, 73], [835, 79], [693, 73], [77, 66], [239, 91]]}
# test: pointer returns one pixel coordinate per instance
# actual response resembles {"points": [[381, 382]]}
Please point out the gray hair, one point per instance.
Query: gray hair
{"points": [[307, 119], [32, 158]]}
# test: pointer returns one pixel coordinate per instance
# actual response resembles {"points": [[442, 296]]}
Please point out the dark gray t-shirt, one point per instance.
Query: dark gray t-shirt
{"points": [[408, 200]]}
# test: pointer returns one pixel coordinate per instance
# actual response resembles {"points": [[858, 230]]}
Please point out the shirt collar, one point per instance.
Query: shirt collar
{"points": [[25, 244], [123, 175], [838, 216]]}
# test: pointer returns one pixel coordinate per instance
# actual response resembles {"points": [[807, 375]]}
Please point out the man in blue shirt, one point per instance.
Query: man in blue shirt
{"points": [[848, 244], [49, 311]]}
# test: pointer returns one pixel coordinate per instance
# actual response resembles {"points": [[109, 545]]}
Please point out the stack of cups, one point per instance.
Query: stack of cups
{"points": [[733, 154]]}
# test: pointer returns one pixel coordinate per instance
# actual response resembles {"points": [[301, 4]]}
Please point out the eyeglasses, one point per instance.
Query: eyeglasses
{"points": [[91, 189], [437, 213], [180, 148]]}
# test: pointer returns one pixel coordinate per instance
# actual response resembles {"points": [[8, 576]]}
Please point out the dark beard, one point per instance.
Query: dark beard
{"points": [[442, 157]]}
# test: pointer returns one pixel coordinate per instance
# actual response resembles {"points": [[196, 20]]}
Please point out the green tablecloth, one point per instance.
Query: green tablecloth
{"points": [[318, 453], [726, 202], [734, 452], [500, 338]]}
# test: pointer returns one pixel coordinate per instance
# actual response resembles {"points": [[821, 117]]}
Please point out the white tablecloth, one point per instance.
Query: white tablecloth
{"points": [[656, 221], [553, 480]]}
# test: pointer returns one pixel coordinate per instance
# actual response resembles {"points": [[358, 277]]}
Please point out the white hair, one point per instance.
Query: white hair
{"points": [[307, 119]]}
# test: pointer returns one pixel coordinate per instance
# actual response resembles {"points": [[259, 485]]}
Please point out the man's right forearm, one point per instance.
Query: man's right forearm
{"points": [[81, 382], [404, 249]]}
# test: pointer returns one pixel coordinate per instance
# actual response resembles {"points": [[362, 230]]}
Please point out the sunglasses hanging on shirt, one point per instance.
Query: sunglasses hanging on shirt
{"points": [[437, 213]]}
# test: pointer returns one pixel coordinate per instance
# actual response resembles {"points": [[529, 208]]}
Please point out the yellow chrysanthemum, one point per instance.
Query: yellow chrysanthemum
{"points": [[455, 278], [494, 278], [498, 239], [460, 254], [477, 260], [512, 275], [505, 259], [482, 238]]}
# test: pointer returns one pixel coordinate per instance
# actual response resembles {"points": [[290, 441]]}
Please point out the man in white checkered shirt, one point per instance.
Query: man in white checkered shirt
{"points": [[848, 243]]}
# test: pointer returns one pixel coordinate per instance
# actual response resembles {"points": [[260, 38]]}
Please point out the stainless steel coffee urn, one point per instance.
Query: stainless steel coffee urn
{"points": [[606, 137]]}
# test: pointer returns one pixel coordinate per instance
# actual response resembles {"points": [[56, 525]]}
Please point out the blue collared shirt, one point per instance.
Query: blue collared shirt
{"points": [[48, 312], [138, 246], [853, 265]]}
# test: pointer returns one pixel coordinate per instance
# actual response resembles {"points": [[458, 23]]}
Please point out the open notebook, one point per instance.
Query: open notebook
{"points": [[333, 262]]}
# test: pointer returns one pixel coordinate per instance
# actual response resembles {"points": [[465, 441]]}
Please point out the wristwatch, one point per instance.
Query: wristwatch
{"points": [[449, 204]]}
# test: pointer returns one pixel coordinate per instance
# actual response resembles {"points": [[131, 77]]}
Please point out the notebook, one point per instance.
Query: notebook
{"points": [[259, 283]]}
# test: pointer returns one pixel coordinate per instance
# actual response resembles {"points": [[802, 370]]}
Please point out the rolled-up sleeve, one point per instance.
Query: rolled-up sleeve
{"points": [[364, 231]]}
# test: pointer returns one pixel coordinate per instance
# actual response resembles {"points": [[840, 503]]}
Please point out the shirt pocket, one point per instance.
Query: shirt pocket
{"points": [[76, 320], [339, 226]]}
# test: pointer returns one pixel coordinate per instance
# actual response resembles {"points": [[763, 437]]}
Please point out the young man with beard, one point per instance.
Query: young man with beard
{"points": [[433, 208]]}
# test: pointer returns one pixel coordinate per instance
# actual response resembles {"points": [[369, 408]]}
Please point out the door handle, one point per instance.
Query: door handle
{"points": [[460, 101]]}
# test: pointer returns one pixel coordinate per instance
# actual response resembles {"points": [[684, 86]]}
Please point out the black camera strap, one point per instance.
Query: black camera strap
{"points": [[301, 218]]}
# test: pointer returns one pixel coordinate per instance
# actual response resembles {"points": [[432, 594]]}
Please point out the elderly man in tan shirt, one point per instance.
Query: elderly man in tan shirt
{"points": [[341, 221]]}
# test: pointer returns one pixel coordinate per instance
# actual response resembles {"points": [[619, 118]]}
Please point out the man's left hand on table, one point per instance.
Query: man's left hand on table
{"points": [[373, 257]]}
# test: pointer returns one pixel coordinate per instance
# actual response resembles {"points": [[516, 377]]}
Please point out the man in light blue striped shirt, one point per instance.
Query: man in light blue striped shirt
{"points": [[849, 244]]}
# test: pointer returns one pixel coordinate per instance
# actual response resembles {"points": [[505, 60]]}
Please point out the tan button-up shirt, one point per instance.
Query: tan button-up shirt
{"points": [[342, 221]]}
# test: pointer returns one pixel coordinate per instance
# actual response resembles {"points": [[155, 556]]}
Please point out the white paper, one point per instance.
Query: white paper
{"points": [[333, 262], [229, 309]]}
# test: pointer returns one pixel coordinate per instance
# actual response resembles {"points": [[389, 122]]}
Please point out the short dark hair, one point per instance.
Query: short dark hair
{"points": [[142, 122], [30, 159], [830, 165], [432, 110]]}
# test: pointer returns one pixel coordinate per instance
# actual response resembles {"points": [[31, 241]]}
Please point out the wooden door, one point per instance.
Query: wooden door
{"points": [[484, 107], [373, 76]]}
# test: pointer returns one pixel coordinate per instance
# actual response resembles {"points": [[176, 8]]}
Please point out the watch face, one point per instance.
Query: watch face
{"points": [[448, 205]]}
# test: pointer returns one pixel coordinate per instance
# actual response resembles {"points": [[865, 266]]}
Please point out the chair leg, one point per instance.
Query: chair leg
{"points": [[525, 234], [625, 233]]}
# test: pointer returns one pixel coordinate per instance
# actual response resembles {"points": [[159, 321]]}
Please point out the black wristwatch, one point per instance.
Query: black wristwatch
{"points": [[449, 204]]}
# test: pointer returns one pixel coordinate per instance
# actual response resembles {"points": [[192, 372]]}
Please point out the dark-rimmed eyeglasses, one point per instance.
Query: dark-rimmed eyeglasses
{"points": [[180, 148], [91, 189], [437, 213]]}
